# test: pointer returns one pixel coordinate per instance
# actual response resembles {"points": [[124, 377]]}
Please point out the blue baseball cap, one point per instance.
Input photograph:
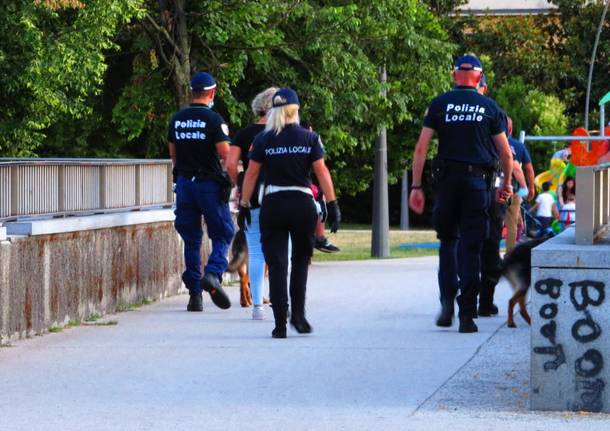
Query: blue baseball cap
{"points": [[202, 81], [468, 62], [285, 96]]}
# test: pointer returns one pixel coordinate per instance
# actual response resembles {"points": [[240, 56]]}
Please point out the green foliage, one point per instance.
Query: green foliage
{"points": [[51, 60], [249, 46], [532, 111], [536, 113]]}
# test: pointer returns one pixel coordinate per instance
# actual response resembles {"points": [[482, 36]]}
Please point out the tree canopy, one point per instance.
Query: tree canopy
{"points": [[101, 77]]}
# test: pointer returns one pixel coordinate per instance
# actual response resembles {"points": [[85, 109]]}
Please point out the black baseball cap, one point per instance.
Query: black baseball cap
{"points": [[202, 81], [285, 96], [468, 62]]}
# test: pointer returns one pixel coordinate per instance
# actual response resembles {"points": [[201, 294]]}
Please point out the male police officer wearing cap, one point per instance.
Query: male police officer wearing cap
{"points": [[463, 169], [198, 139]]}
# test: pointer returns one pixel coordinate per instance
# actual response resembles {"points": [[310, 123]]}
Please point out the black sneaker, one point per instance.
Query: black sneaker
{"points": [[211, 284], [325, 246], [467, 325], [195, 302], [488, 310]]}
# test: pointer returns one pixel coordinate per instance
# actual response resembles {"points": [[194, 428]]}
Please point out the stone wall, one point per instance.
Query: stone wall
{"points": [[48, 280]]}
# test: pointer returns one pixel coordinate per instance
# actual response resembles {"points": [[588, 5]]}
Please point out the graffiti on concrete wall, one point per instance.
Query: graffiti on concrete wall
{"points": [[585, 331]]}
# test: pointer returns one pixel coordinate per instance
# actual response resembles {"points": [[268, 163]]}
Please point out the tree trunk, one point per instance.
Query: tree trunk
{"points": [[174, 21]]}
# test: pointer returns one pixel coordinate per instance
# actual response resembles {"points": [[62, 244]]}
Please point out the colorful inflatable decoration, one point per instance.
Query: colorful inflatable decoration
{"points": [[581, 156], [554, 175]]}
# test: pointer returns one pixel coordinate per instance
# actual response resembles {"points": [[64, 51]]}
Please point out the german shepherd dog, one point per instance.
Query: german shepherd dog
{"points": [[517, 268], [239, 264]]}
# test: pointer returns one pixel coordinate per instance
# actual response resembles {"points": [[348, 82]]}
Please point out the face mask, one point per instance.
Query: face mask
{"points": [[211, 104], [522, 192]]}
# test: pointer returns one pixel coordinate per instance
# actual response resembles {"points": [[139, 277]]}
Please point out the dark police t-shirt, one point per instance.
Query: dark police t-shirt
{"points": [[464, 121], [195, 131], [519, 150], [287, 157], [244, 140]]}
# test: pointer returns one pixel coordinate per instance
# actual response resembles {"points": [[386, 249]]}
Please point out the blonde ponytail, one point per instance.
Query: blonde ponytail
{"points": [[280, 117]]}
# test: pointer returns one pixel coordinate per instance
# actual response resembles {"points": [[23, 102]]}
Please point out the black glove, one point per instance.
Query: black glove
{"points": [[334, 216], [323, 209], [242, 217]]}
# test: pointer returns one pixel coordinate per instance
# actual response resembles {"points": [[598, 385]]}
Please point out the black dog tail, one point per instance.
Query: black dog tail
{"points": [[239, 251]]}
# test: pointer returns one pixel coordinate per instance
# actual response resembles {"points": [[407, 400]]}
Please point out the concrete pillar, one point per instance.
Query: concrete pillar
{"points": [[380, 245], [570, 309]]}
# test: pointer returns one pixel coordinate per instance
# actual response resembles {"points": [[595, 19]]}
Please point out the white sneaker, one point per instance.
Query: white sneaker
{"points": [[258, 312]]}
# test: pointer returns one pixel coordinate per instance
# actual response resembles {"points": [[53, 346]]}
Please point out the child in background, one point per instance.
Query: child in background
{"points": [[545, 207]]}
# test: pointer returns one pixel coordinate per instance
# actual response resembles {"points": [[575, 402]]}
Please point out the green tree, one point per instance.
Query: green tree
{"points": [[51, 60], [535, 113], [255, 44]]}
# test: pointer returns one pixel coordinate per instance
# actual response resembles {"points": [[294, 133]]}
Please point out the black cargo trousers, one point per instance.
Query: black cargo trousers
{"points": [[490, 255], [288, 214]]}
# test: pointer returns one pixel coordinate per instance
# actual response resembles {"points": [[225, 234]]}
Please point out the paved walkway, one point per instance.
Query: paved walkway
{"points": [[375, 362]]}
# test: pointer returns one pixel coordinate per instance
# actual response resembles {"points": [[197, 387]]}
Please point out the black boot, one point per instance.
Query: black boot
{"points": [[487, 310], [280, 323], [487, 307], [301, 324], [195, 302], [467, 325], [445, 318]]}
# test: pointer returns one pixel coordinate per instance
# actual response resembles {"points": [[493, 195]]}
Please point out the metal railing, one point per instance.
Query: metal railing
{"points": [[36, 187], [593, 197], [592, 202]]}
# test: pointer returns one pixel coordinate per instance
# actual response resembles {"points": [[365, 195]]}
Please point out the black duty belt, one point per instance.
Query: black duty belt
{"points": [[463, 167], [197, 175]]}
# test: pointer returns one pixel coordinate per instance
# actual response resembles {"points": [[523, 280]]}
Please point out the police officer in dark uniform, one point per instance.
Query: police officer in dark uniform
{"points": [[198, 139], [463, 170], [491, 261], [490, 252], [287, 153]]}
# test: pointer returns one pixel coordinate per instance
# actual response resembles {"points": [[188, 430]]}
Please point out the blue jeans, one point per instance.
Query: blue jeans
{"points": [[256, 262], [461, 221], [193, 200]]}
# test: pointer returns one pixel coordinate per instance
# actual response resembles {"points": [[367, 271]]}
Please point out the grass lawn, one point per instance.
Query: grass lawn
{"points": [[356, 244]]}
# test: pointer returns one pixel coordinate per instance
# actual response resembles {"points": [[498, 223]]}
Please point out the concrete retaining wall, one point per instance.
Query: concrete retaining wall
{"points": [[570, 358], [48, 280]]}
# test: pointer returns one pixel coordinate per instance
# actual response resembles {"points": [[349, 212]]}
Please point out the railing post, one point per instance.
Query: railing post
{"points": [[14, 190], [138, 184], [61, 186], [170, 182], [585, 205], [102, 185]]}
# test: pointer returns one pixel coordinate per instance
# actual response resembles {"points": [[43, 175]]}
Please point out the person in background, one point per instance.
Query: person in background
{"points": [[322, 243], [524, 175], [545, 208], [566, 195], [563, 154], [240, 147]]}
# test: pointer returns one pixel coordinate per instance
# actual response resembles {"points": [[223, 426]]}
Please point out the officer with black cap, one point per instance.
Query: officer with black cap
{"points": [[463, 172], [287, 153], [198, 139]]}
